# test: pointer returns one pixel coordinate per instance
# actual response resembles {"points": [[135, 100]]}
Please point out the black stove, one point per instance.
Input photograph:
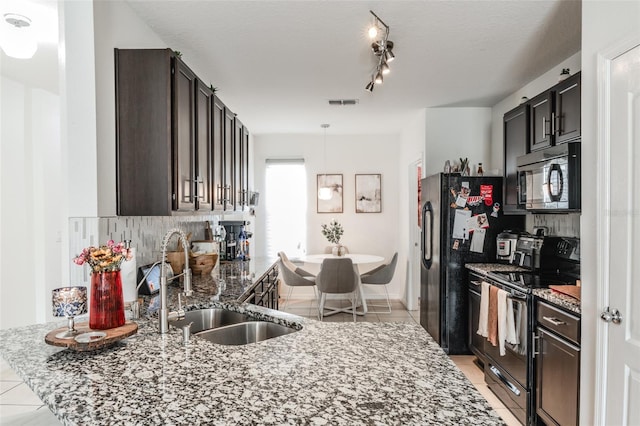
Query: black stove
{"points": [[559, 263]]}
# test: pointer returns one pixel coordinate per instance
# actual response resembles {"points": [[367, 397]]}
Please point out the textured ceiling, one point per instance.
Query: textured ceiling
{"points": [[277, 63]]}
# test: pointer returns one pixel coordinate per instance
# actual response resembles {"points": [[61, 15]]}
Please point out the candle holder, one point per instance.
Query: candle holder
{"points": [[69, 302]]}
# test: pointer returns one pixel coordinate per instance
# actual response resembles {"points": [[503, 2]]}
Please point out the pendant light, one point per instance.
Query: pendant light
{"points": [[324, 192], [18, 38]]}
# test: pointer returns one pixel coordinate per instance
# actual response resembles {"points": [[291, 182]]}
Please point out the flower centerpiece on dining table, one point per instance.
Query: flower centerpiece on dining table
{"points": [[106, 309], [333, 232]]}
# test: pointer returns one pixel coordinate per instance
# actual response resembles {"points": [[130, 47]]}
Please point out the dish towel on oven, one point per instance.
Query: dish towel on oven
{"points": [[492, 317], [506, 321], [520, 310], [484, 310]]}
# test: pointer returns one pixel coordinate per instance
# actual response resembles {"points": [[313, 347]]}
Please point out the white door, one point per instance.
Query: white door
{"points": [[413, 275], [619, 219]]}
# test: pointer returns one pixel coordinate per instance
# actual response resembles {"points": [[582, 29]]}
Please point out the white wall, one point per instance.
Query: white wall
{"points": [[374, 233], [29, 187], [454, 133], [535, 87], [603, 24]]}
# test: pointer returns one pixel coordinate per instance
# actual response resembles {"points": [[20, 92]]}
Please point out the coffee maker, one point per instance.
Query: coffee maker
{"points": [[506, 245], [527, 252]]}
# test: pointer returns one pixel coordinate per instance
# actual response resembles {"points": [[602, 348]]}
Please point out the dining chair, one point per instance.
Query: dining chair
{"points": [[381, 275], [283, 256], [293, 278], [337, 276]]}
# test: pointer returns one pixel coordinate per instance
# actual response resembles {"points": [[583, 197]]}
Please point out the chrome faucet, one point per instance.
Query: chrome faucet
{"points": [[165, 315]]}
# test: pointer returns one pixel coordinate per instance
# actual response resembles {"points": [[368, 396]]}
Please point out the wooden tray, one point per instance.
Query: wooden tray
{"points": [[569, 290], [113, 335]]}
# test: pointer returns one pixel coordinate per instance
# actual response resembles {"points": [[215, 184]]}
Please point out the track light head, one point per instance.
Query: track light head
{"points": [[378, 78], [370, 86], [388, 55], [373, 31], [384, 68]]}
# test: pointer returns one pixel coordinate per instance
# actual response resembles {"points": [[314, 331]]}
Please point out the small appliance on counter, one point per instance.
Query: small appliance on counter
{"points": [[506, 245], [527, 252]]}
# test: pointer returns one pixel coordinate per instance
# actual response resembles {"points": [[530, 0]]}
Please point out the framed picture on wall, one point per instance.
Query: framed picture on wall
{"points": [[369, 193], [332, 185]]}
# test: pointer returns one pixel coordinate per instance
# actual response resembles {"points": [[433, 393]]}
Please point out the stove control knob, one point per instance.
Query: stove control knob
{"points": [[611, 316]]}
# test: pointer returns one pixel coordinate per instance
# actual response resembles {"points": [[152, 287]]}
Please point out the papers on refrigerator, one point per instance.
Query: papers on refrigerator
{"points": [[460, 224]]}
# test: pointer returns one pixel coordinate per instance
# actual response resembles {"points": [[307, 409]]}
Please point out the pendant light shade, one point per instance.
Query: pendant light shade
{"points": [[18, 40], [325, 192]]}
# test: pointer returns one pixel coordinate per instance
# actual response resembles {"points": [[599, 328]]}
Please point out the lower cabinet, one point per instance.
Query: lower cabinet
{"points": [[557, 366], [264, 291]]}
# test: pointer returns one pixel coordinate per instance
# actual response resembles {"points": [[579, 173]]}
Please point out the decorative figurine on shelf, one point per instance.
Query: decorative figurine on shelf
{"points": [[480, 170], [564, 74], [106, 309]]}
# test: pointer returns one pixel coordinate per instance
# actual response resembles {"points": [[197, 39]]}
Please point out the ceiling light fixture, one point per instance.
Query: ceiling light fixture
{"points": [[382, 49], [18, 40], [325, 192]]}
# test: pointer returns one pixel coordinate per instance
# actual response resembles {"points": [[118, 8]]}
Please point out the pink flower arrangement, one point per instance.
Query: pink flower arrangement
{"points": [[104, 258]]}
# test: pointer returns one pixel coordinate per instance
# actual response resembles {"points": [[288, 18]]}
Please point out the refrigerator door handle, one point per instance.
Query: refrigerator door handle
{"points": [[427, 235]]}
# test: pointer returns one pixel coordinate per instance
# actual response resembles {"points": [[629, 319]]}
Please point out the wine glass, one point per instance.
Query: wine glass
{"points": [[69, 302]]}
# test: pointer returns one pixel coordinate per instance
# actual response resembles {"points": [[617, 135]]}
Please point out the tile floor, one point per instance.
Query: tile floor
{"points": [[20, 406]]}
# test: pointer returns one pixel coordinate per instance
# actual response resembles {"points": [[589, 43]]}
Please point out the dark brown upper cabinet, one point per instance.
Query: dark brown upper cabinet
{"points": [[555, 114], [144, 131], [183, 132], [218, 146], [516, 141], [567, 122], [238, 141], [244, 164], [204, 147], [541, 124], [228, 163], [174, 138]]}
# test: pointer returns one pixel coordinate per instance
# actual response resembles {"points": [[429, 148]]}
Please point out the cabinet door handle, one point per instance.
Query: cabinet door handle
{"points": [[554, 321], [504, 380], [544, 127], [219, 194], [536, 345], [557, 121]]}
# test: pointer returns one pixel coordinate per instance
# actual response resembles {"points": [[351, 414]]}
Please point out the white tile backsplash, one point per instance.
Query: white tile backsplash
{"points": [[563, 225], [145, 233]]}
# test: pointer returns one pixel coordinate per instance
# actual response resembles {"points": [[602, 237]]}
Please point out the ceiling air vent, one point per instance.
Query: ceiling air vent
{"points": [[344, 101]]}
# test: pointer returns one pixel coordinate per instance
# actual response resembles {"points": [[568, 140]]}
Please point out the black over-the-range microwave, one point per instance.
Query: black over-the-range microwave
{"points": [[549, 179]]}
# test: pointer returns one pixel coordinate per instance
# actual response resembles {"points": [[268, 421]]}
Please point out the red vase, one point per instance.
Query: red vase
{"points": [[107, 303]]}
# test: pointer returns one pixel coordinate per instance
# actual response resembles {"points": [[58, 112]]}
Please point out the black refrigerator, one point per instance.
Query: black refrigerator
{"points": [[461, 217]]}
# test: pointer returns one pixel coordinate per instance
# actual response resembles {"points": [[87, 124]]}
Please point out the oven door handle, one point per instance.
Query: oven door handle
{"points": [[504, 380]]}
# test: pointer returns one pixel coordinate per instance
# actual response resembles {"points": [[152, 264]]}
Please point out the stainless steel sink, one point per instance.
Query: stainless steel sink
{"points": [[206, 319], [245, 333]]}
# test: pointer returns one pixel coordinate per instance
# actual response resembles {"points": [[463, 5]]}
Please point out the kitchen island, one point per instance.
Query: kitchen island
{"points": [[325, 373]]}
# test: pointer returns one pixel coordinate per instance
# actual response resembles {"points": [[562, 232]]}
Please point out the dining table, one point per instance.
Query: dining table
{"points": [[356, 259]]}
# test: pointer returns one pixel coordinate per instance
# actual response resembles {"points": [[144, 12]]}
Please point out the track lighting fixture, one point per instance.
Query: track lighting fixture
{"points": [[382, 49]]}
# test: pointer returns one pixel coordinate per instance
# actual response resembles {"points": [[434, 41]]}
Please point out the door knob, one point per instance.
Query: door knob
{"points": [[611, 316]]}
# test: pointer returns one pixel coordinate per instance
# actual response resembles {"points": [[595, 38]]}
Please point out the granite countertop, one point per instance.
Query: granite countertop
{"points": [[483, 268], [564, 301], [325, 373], [567, 302]]}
